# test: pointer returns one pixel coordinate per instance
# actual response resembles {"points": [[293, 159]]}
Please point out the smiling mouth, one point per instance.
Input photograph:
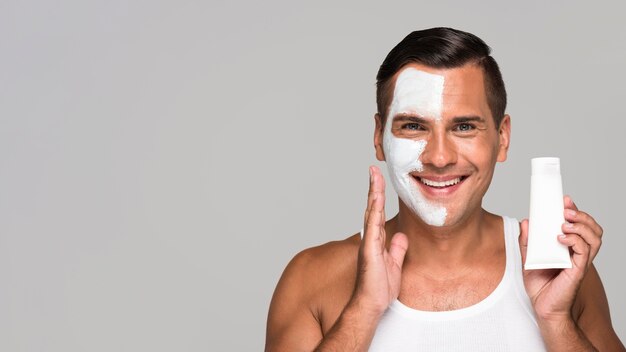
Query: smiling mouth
{"points": [[440, 184]]}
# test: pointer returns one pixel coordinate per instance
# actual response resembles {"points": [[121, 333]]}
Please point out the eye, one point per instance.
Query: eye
{"points": [[412, 127], [465, 127]]}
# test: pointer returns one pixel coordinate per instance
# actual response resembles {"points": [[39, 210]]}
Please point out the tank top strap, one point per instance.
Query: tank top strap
{"points": [[512, 232]]}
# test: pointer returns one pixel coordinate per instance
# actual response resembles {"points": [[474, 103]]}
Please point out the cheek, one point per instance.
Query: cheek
{"points": [[478, 150], [404, 154]]}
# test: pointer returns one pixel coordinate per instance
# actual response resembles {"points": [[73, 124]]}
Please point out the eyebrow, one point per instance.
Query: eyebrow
{"points": [[462, 119], [409, 118], [419, 119]]}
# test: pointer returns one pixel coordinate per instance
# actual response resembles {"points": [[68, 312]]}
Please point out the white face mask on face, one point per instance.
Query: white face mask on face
{"points": [[419, 93]]}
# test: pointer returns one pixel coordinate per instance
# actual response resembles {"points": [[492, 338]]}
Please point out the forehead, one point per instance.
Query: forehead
{"points": [[418, 92], [459, 90]]}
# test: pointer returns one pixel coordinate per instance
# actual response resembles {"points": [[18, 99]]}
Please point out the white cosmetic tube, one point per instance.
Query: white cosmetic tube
{"points": [[546, 217]]}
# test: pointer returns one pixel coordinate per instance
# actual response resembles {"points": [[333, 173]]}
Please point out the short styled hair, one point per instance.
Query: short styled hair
{"points": [[442, 48]]}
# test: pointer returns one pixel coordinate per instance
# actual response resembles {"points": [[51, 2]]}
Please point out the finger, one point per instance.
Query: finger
{"points": [[580, 250], [376, 216], [569, 203], [380, 193], [523, 239], [372, 192], [374, 228], [398, 248], [573, 214], [381, 180], [577, 216], [587, 234]]}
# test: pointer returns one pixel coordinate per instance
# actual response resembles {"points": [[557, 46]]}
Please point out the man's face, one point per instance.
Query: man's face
{"points": [[440, 142]]}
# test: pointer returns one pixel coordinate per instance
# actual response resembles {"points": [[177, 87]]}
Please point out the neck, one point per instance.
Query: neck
{"points": [[444, 247]]}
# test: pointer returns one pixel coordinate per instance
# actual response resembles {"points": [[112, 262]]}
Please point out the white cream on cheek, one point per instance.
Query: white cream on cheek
{"points": [[420, 93]]}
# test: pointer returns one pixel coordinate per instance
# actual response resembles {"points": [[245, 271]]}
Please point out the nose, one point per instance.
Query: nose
{"points": [[439, 151]]}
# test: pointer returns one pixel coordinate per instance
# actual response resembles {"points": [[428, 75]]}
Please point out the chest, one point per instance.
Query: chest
{"points": [[429, 294], [416, 292]]}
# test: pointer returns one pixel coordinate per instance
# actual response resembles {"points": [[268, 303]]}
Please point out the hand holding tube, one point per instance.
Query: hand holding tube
{"points": [[552, 291]]}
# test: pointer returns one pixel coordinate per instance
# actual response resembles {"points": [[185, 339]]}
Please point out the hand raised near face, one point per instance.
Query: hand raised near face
{"points": [[553, 291], [379, 269]]}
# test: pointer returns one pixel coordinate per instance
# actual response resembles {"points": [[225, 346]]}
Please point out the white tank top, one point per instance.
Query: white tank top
{"points": [[504, 321]]}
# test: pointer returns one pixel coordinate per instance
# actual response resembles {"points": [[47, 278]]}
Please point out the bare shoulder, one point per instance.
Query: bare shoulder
{"points": [[591, 311], [318, 266], [310, 294]]}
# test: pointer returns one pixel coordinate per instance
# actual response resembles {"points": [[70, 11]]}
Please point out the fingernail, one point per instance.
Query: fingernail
{"points": [[569, 225], [562, 236], [570, 212]]}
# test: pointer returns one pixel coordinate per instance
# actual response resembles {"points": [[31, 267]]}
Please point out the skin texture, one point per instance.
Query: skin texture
{"points": [[420, 94], [331, 297]]}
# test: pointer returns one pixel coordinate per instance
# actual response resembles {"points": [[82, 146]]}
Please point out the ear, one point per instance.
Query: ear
{"points": [[504, 138], [378, 138]]}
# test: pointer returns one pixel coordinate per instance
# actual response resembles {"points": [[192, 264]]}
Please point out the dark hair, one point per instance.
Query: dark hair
{"points": [[442, 48]]}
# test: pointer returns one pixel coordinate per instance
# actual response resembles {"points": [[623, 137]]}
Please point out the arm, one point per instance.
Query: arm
{"points": [[353, 331], [292, 323], [592, 314]]}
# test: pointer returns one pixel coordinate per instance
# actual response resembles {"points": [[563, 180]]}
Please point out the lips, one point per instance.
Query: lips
{"points": [[440, 183]]}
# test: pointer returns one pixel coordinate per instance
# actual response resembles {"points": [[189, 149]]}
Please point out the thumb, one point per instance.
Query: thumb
{"points": [[398, 247], [523, 239]]}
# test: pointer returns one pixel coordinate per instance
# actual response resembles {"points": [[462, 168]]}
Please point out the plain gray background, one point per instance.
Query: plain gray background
{"points": [[161, 162]]}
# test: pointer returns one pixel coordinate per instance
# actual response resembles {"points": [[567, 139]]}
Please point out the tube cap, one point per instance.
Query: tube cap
{"points": [[546, 166]]}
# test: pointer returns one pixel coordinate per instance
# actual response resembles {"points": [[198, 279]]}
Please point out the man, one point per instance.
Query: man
{"points": [[450, 278]]}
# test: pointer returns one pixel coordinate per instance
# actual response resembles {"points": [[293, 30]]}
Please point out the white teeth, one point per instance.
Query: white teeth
{"points": [[431, 183]]}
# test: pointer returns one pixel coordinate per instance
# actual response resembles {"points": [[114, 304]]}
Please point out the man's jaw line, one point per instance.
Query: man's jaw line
{"points": [[411, 223]]}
